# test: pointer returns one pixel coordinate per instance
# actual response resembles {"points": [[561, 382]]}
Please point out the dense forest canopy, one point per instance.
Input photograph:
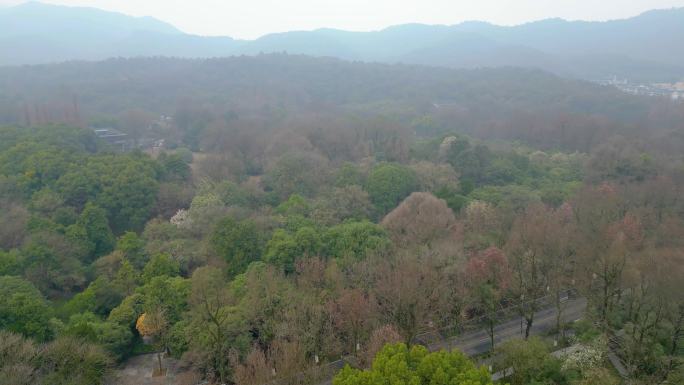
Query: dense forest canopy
{"points": [[272, 91], [272, 214]]}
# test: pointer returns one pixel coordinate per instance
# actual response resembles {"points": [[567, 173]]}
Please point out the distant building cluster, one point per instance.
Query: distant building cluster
{"points": [[674, 91], [164, 122], [114, 137], [123, 142]]}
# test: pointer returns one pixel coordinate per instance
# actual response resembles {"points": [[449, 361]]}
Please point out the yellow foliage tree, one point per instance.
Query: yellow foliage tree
{"points": [[153, 324]]}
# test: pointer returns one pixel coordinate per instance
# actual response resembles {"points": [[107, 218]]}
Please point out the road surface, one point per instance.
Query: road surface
{"points": [[476, 343]]}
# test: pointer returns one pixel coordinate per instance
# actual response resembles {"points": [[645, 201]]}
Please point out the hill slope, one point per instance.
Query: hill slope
{"points": [[647, 47], [507, 103], [42, 33]]}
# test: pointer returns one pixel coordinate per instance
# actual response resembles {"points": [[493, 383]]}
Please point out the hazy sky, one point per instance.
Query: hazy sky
{"points": [[253, 18]]}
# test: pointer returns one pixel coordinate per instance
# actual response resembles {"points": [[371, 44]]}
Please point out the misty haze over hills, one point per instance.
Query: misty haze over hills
{"points": [[334, 207], [646, 47]]}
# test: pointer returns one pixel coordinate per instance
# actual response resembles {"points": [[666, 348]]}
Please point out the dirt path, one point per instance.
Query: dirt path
{"points": [[138, 371]]}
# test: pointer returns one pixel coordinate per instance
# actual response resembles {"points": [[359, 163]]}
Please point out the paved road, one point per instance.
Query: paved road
{"points": [[138, 370], [478, 342]]}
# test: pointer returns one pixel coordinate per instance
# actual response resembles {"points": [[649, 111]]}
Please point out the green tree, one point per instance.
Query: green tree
{"points": [[341, 204], [388, 184], [153, 324], [470, 161], [529, 362], [124, 185], [10, 262], [354, 239], [348, 175], [232, 194], [217, 325], [603, 376], [128, 187], [453, 199], [65, 361], [488, 277], [128, 310], [282, 250], [113, 337], [100, 297], [297, 173], [285, 248], [168, 293], [23, 309], [174, 166], [160, 265], [295, 205], [50, 263], [94, 221], [73, 361], [13, 223], [78, 185], [263, 293], [133, 248], [239, 243], [397, 364], [126, 278], [17, 355]]}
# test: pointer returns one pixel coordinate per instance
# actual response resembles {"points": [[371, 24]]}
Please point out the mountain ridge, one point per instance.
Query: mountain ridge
{"points": [[650, 45], [61, 14]]}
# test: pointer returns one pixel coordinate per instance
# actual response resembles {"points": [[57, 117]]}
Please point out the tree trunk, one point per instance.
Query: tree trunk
{"points": [[218, 347], [559, 315], [604, 309], [528, 324], [160, 363], [491, 333]]}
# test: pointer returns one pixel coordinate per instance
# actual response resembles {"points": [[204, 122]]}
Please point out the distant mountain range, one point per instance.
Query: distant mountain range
{"points": [[647, 47]]}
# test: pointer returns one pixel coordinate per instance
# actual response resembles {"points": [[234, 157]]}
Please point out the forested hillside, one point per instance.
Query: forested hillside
{"points": [[279, 212], [272, 91]]}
